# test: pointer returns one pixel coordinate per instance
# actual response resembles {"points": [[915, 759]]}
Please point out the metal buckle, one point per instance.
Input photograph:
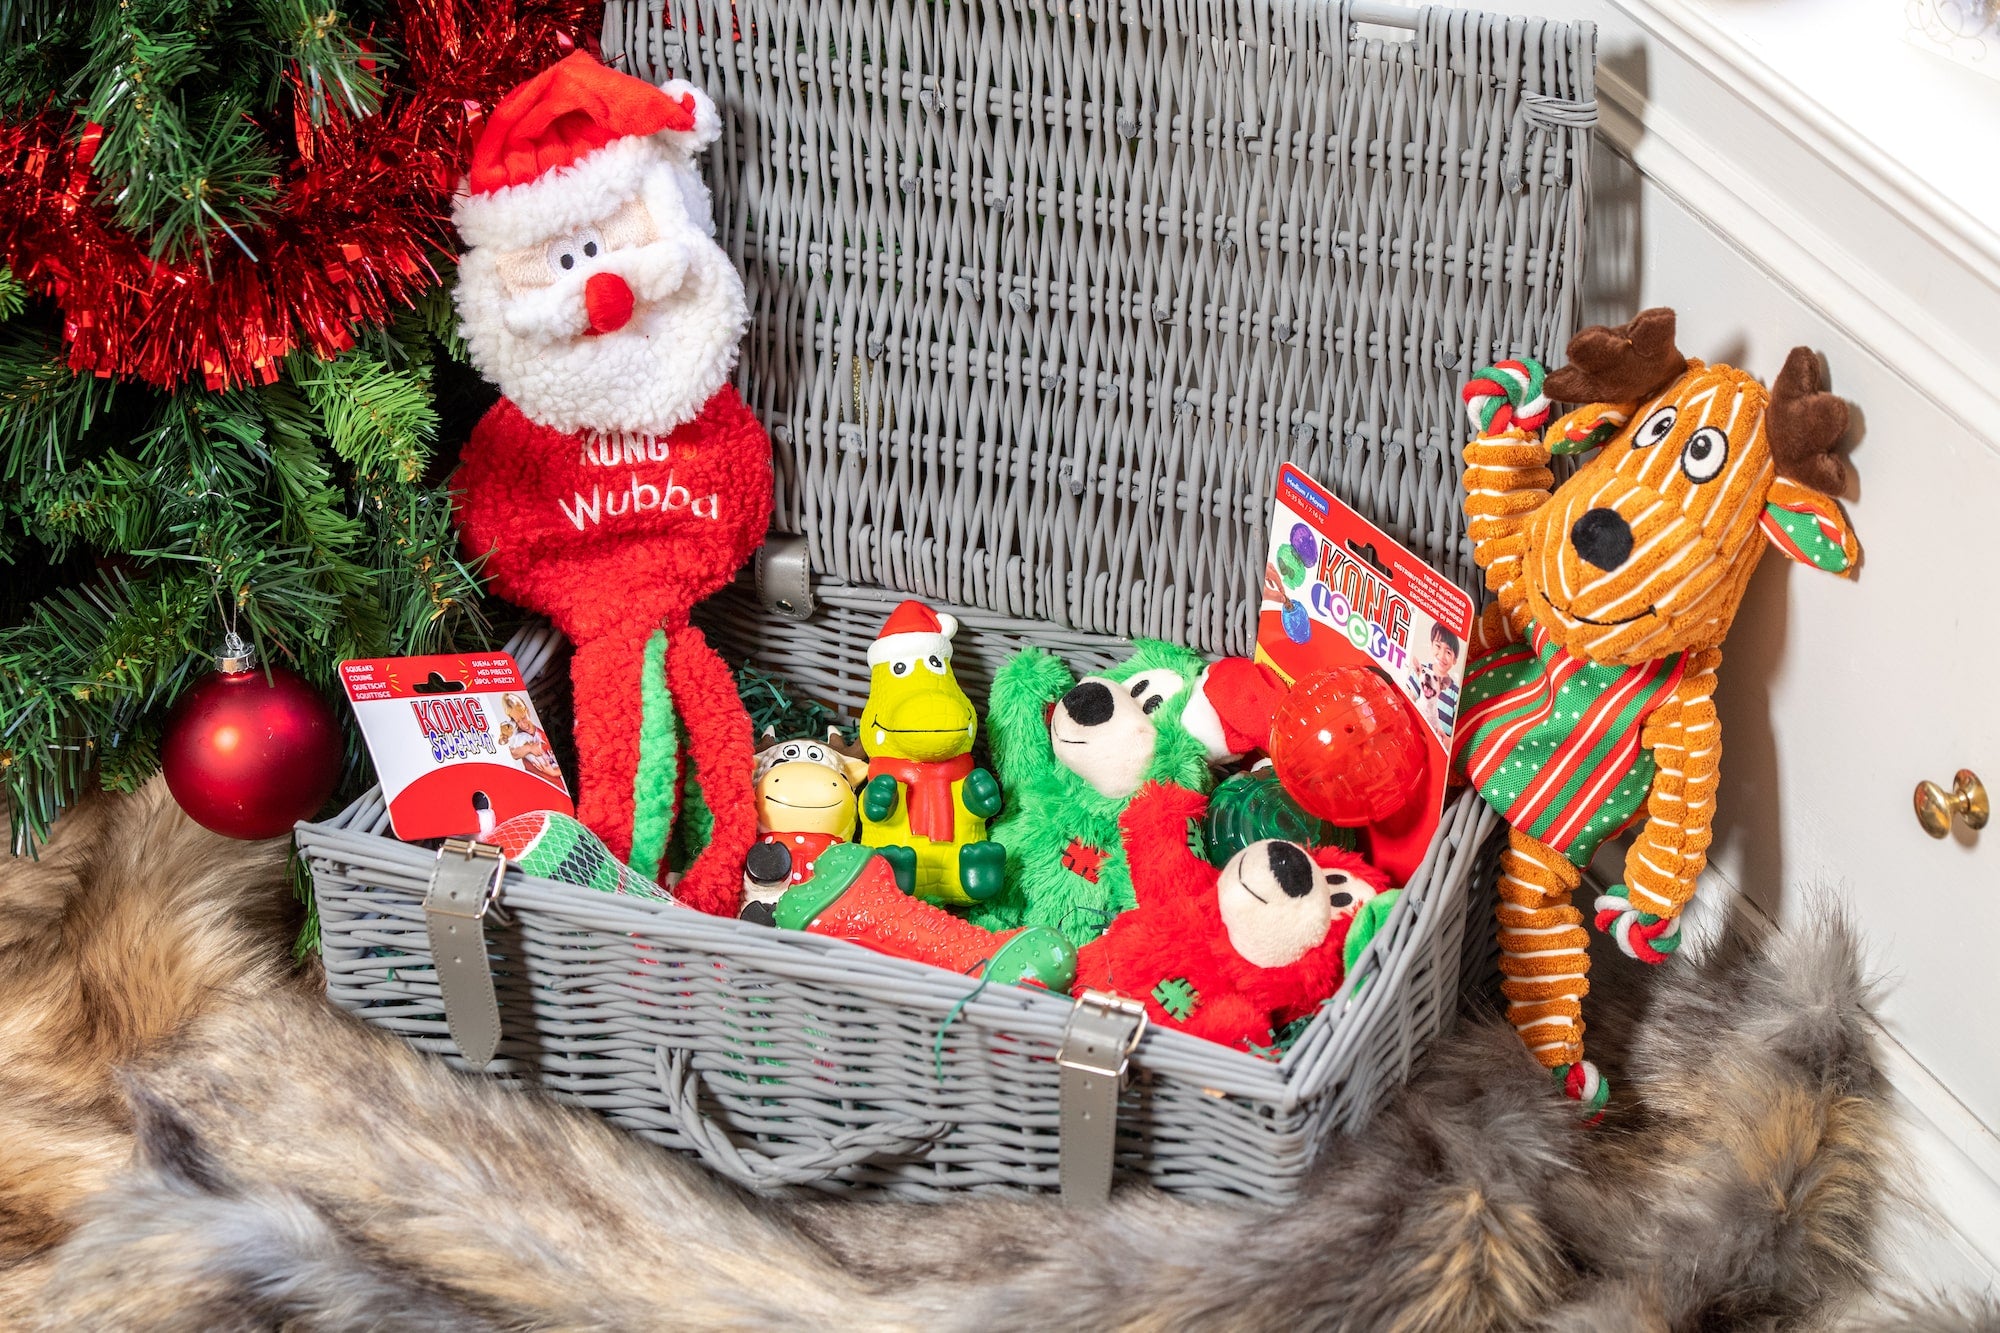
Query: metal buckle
{"points": [[1107, 1005], [489, 901]]}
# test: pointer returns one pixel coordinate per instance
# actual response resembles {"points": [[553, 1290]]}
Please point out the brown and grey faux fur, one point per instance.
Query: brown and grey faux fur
{"points": [[194, 1142]]}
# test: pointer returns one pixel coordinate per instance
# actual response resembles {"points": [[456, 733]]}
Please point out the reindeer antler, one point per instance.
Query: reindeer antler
{"points": [[1803, 424], [1628, 364]]}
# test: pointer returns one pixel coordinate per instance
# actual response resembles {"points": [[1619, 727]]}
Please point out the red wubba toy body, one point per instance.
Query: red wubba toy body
{"points": [[621, 479]]}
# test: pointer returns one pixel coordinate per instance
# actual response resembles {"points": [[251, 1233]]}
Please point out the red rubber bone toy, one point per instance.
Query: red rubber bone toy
{"points": [[621, 479]]}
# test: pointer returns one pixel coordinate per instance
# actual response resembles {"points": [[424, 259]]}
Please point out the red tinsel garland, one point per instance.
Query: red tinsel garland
{"points": [[356, 219]]}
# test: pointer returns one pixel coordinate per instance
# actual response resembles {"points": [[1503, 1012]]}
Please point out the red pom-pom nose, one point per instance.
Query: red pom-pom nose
{"points": [[608, 302]]}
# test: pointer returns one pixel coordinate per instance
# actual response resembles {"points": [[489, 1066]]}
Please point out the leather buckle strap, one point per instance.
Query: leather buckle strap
{"points": [[1096, 1058], [464, 887]]}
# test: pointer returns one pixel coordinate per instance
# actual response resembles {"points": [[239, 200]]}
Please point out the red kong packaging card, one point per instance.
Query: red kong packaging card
{"points": [[1338, 591], [455, 740]]}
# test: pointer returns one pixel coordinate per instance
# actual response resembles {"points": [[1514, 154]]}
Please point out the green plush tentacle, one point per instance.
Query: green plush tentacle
{"points": [[654, 783], [697, 821]]}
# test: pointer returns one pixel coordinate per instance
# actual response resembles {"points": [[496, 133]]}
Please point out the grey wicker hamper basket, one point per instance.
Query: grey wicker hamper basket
{"points": [[1043, 292]]}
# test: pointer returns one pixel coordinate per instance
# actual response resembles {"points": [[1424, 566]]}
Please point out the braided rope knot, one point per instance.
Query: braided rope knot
{"points": [[1507, 396], [1640, 935], [1581, 1083]]}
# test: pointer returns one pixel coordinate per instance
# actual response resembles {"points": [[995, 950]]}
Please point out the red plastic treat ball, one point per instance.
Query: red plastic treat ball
{"points": [[1345, 747]]}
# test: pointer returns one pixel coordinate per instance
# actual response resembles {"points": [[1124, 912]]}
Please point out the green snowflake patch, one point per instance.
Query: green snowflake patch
{"points": [[1177, 997]]}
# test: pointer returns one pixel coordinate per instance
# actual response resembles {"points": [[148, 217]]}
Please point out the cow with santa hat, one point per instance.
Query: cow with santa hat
{"points": [[620, 479]]}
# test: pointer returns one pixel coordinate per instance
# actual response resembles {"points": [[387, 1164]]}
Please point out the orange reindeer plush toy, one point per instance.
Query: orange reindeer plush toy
{"points": [[1588, 705]]}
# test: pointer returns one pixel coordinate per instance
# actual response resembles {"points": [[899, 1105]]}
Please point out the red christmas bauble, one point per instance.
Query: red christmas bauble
{"points": [[248, 757], [1345, 747]]}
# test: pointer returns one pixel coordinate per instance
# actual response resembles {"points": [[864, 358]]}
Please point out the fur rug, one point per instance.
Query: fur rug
{"points": [[194, 1141]]}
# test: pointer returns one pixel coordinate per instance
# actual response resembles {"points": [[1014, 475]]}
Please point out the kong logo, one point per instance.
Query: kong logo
{"points": [[1362, 597], [634, 498], [625, 450], [455, 728]]}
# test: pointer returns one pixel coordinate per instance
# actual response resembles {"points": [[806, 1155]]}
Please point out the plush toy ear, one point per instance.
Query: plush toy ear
{"points": [[1230, 709], [1809, 527], [1587, 427]]}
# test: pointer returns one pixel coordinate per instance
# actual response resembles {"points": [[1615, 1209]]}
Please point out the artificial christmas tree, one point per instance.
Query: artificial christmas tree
{"points": [[228, 353]]}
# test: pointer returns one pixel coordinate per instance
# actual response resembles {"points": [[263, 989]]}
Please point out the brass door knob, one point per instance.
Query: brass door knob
{"points": [[1966, 799]]}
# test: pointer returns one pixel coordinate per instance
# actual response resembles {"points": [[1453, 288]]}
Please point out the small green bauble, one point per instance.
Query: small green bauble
{"points": [[1252, 806]]}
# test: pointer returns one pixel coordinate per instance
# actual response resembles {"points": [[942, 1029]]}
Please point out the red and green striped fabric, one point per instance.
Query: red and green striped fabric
{"points": [[1552, 741]]}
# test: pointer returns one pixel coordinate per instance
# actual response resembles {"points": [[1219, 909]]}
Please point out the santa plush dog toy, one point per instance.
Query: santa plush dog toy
{"points": [[621, 479]]}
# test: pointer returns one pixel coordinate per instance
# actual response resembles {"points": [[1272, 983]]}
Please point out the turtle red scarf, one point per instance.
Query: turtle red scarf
{"points": [[933, 812], [615, 539]]}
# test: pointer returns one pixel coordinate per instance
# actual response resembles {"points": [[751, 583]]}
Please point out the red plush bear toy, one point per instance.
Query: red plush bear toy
{"points": [[621, 479], [1231, 954]]}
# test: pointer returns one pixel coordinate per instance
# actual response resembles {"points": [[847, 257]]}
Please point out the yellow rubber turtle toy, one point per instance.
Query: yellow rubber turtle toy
{"points": [[925, 805]]}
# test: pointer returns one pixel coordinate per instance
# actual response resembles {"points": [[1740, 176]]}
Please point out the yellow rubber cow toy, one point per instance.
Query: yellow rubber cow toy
{"points": [[925, 805]]}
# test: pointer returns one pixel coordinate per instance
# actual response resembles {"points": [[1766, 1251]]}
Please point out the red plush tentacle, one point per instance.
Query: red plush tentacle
{"points": [[718, 739], [1154, 829], [605, 677]]}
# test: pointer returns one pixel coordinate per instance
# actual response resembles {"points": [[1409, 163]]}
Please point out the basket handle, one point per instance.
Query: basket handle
{"points": [[681, 1086]]}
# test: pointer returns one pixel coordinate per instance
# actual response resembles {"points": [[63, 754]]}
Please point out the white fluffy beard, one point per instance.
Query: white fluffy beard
{"points": [[651, 376]]}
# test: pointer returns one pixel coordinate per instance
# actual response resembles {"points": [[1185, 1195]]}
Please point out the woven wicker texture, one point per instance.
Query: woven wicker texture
{"points": [[1043, 294]]}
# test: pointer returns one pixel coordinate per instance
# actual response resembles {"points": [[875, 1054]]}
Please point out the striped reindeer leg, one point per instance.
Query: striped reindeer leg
{"points": [[1545, 963], [1644, 913]]}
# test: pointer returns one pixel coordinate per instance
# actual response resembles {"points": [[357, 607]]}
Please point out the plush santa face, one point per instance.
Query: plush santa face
{"points": [[593, 292]]}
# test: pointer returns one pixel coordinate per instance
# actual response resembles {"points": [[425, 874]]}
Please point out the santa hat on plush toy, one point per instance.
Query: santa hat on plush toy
{"points": [[1231, 708], [570, 145], [913, 630]]}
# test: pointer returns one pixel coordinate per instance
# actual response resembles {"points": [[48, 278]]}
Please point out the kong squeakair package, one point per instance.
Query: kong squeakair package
{"points": [[1339, 592], [456, 742]]}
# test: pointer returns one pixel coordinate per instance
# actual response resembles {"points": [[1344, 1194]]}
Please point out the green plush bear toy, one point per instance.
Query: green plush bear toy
{"points": [[1070, 754]]}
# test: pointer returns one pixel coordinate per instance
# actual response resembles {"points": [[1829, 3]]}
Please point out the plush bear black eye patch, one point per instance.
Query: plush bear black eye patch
{"points": [[1089, 703], [1291, 868]]}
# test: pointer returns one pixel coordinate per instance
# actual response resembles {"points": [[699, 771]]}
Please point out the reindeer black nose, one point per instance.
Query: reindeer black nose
{"points": [[1602, 538], [1089, 704], [1293, 870]]}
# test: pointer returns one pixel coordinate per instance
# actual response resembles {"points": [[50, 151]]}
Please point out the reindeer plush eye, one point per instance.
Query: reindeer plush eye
{"points": [[1655, 427], [1704, 454], [790, 752]]}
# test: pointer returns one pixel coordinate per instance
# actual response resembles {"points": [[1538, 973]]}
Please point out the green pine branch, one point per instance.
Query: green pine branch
{"points": [[295, 513], [379, 418], [45, 409], [199, 101]]}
